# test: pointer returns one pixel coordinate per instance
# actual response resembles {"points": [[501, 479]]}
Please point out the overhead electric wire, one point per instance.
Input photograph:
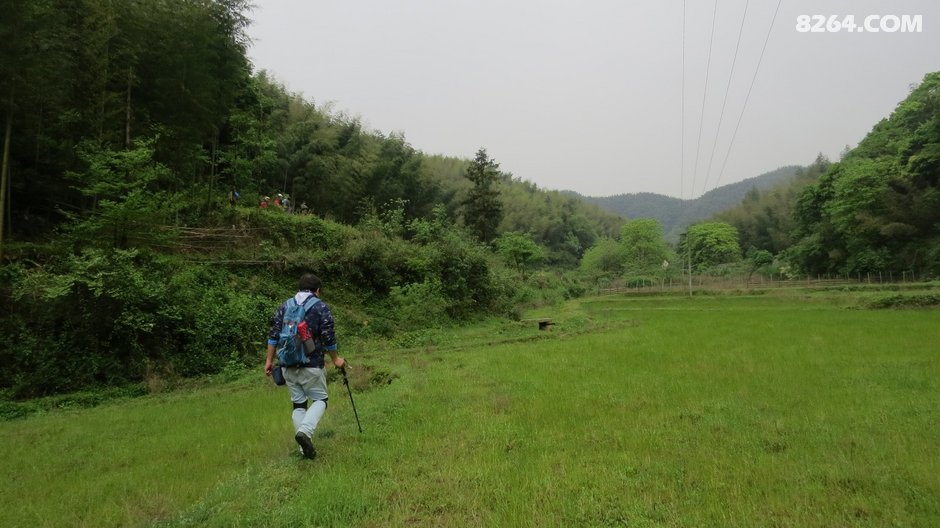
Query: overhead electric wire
{"points": [[682, 125], [682, 154], [708, 63], [721, 114], [723, 106], [748, 96]]}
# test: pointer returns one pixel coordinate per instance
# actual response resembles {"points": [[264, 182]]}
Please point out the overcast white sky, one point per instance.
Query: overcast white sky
{"points": [[588, 95]]}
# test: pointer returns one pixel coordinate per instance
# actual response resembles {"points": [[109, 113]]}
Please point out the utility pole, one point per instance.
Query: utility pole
{"points": [[688, 256]]}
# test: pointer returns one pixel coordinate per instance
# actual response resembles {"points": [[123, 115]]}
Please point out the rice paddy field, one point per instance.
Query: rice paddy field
{"points": [[795, 409]]}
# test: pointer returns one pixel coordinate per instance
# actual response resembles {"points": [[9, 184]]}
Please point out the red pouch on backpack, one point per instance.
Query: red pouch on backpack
{"points": [[306, 337]]}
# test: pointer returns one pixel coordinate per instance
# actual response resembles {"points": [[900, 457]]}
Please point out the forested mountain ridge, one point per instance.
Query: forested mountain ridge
{"points": [[675, 214]]}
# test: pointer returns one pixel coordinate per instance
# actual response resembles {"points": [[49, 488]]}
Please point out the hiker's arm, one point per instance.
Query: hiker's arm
{"points": [[273, 335], [325, 325], [269, 361], [338, 362], [327, 336]]}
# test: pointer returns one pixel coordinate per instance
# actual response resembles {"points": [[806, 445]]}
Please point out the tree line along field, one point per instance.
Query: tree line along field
{"points": [[795, 408]]}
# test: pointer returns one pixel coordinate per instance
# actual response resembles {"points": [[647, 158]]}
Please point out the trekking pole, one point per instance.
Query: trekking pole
{"points": [[349, 390]]}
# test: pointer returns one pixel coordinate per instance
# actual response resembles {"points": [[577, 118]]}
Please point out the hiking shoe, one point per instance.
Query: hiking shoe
{"points": [[305, 445]]}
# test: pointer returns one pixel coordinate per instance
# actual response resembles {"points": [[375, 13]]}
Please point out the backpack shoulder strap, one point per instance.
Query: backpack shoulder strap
{"points": [[308, 305]]}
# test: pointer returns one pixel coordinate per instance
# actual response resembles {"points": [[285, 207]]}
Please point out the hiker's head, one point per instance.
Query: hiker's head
{"points": [[309, 281]]}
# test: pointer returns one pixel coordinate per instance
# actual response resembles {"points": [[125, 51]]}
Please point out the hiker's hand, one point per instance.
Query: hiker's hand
{"points": [[339, 362], [268, 367]]}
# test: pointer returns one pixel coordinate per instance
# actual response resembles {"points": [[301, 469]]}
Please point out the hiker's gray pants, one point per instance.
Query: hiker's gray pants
{"points": [[307, 384]]}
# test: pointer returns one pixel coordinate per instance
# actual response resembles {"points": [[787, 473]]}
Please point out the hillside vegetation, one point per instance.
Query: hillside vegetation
{"points": [[764, 218], [130, 127], [878, 209]]}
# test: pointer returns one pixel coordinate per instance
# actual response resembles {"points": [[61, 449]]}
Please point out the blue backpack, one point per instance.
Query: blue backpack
{"points": [[290, 347]]}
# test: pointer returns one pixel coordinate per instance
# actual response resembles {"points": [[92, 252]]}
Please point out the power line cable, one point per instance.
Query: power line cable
{"points": [[748, 96], [721, 115], [682, 125], [704, 96], [682, 174]]}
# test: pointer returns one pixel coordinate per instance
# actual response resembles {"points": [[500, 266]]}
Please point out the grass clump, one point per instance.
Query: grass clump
{"points": [[925, 300]]}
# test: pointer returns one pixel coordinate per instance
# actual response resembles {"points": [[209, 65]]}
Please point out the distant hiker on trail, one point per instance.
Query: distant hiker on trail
{"points": [[264, 202], [303, 318], [233, 198], [303, 208], [286, 204], [277, 201]]}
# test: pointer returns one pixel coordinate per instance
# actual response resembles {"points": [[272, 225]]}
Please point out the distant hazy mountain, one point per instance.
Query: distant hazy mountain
{"points": [[675, 214]]}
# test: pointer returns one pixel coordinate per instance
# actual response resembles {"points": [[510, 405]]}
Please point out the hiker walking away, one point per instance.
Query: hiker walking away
{"points": [[307, 380]]}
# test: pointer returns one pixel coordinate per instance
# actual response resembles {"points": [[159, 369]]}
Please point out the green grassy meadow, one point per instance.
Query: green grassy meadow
{"points": [[789, 410]]}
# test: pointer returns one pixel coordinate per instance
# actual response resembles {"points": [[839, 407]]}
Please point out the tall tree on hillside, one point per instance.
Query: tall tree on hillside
{"points": [[482, 207]]}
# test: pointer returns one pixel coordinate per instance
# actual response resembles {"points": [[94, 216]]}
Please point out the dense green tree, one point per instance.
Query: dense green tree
{"points": [[519, 250], [482, 208], [709, 244], [644, 248], [606, 257], [757, 259]]}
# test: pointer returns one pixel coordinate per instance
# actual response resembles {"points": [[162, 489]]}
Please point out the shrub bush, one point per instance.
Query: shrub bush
{"points": [[419, 305], [906, 301], [641, 282], [109, 317], [100, 318]]}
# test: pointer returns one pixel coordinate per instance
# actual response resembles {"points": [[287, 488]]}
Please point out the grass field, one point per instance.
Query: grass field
{"points": [[774, 410]]}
